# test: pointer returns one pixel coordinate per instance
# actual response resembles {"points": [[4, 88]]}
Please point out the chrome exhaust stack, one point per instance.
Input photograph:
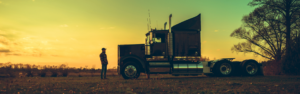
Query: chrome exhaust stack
{"points": [[170, 39], [165, 25]]}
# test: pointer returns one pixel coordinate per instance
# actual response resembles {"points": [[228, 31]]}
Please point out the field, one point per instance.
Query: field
{"points": [[158, 84]]}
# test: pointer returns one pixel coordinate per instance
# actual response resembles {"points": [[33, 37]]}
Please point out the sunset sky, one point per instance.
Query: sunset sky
{"points": [[53, 32]]}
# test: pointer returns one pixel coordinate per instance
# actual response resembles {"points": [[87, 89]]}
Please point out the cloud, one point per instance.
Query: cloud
{"points": [[6, 36], [13, 54], [25, 46], [64, 25], [15, 42], [4, 50], [6, 45], [4, 40], [216, 30]]}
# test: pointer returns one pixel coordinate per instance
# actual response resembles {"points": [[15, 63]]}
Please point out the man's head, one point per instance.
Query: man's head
{"points": [[103, 50]]}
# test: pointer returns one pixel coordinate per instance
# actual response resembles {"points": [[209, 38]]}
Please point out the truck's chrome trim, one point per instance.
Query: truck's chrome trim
{"points": [[156, 58], [182, 66], [188, 66], [192, 68], [186, 58], [130, 71]]}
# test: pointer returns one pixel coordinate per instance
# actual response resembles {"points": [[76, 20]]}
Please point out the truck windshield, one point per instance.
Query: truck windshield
{"points": [[147, 46], [147, 40], [159, 38]]}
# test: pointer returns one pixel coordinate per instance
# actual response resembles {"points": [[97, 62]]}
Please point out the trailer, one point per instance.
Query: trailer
{"points": [[177, 51]]}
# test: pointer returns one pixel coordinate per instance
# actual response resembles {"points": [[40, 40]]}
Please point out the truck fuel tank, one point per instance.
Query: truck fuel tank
{"points": [[190, 67], [159, 67]]}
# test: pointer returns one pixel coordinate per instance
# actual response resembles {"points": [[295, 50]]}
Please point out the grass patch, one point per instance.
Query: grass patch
{"points": [[157, 85]]}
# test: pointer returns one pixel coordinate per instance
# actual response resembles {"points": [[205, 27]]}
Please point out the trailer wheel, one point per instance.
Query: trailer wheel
{"points": [[223, 68], [250, 67], [130, 71]]}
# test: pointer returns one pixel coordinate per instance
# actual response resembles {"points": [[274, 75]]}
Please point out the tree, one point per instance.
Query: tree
{"points": [[288, 16], [93, 70], [263, 34], [288, 9], [63, 68]]}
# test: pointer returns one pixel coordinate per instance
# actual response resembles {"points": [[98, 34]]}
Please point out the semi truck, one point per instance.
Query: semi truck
{"points": [[177, 51]]}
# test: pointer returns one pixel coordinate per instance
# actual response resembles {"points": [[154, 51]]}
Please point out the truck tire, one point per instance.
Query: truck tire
{"points": [[130, 70], [250, 67], [223, 68]]}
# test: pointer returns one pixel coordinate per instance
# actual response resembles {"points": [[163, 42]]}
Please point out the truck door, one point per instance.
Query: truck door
{"points": [[159, 62], [159, 45]]}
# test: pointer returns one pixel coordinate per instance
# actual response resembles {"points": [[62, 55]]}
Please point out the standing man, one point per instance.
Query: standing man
{"points": [[104, 63]]}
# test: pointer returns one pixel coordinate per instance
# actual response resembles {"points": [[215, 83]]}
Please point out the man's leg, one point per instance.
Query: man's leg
{"points": [[102, 70], [105, 71]]}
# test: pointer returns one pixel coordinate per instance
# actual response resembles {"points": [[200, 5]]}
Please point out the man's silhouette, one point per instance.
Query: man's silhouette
{"points": [[104, 63]]}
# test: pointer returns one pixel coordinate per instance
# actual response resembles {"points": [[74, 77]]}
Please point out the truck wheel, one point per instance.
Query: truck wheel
{"points": [[250, 67], [224, 68], [130, 71]]}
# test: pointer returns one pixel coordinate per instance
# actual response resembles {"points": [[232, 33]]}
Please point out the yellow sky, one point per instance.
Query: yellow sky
{"points": [[52, 32]]}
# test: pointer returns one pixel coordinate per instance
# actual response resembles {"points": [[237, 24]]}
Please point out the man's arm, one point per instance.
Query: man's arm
{"points": [[105, 60]]}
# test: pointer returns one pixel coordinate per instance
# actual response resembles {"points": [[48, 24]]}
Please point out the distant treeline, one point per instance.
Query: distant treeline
{"points": [[15, 70]]}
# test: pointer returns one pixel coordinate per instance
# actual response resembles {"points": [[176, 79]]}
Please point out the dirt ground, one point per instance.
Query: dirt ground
{"points": [[158, 84]]}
